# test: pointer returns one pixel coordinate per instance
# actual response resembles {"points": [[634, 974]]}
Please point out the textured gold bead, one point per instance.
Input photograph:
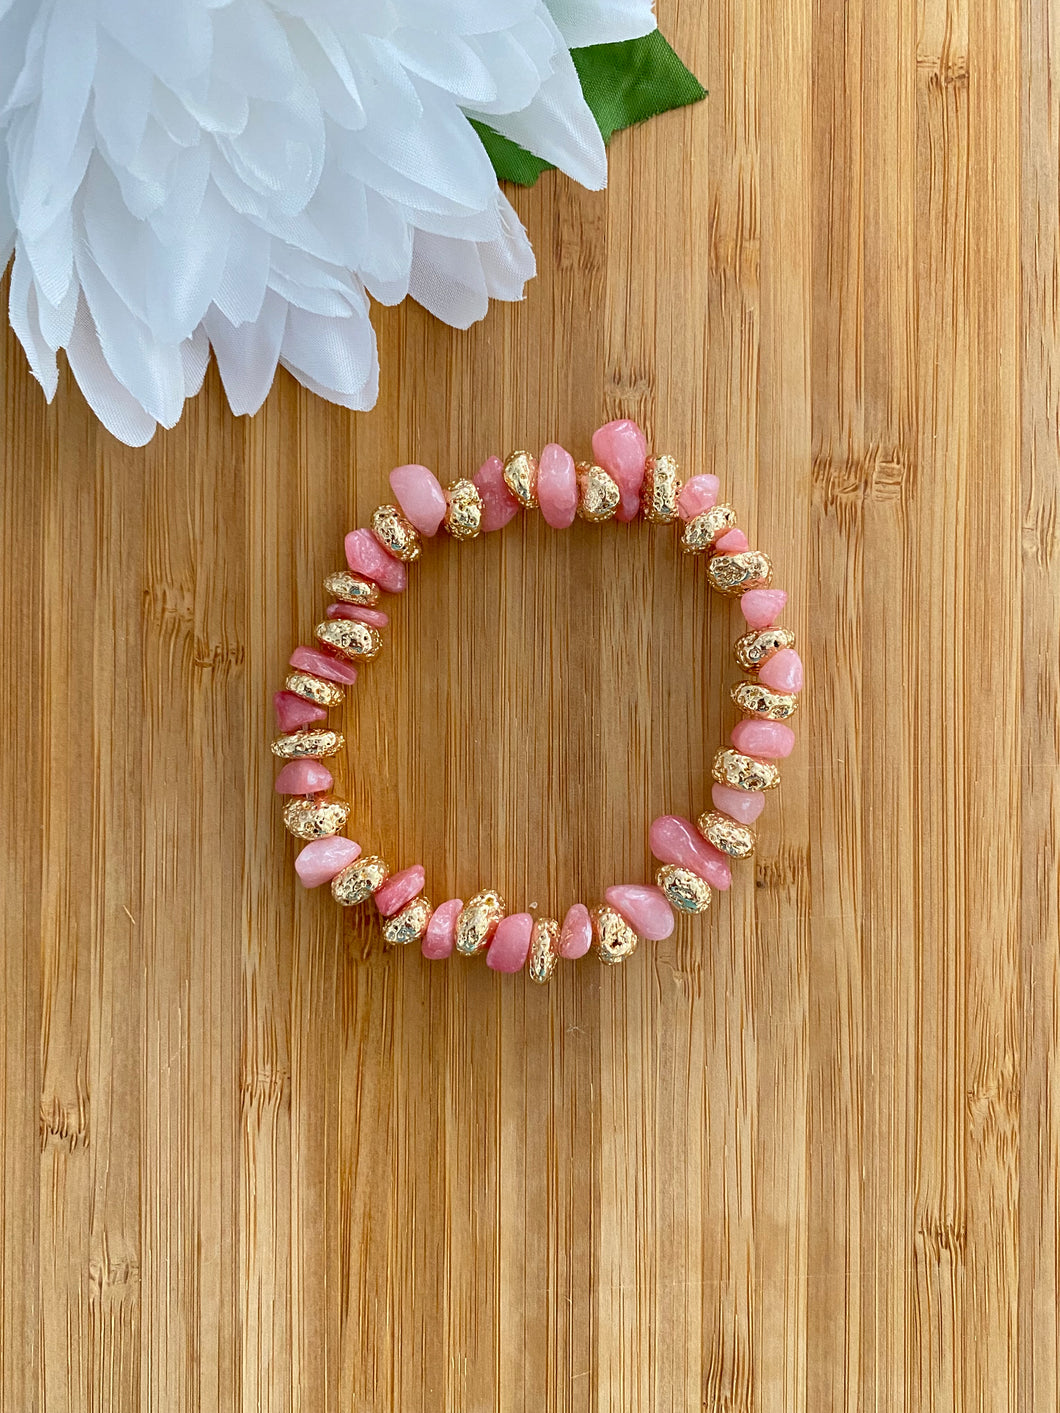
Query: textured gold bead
{"points": [[544, 949], [702, 530], [359, 880], [317, 818], [300, 745], [478, 921], [351, 588], [615, 939], [763, 702], [463, 510], [755, 647], [409, 924], [520, 476], [725, 834], [744, 772], [349, 636], [314, 689], [684, 890], [598, 493], [396, 533], [736, 573], [662, 486]]}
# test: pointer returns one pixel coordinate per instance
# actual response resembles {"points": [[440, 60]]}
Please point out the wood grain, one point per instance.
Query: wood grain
{"points": [[805, 1157]]}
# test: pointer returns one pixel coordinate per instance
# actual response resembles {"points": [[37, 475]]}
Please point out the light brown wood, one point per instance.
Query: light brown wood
{"points": [[805, 1156]]}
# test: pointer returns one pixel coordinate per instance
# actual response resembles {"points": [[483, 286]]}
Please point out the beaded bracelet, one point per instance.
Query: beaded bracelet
{"points": [[621, 482]]}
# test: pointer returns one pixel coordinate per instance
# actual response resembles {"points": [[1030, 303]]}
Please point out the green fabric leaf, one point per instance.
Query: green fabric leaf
{"points": [[623, 84]]}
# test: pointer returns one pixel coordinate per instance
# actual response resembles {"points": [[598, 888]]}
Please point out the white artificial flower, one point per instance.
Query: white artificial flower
{"points": [[243, 175]]}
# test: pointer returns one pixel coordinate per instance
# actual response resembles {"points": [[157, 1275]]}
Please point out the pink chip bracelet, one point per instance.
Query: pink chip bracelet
{"points": [[621, 482]]}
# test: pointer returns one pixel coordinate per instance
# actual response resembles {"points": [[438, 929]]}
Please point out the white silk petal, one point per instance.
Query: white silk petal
{"points": [[112, 402], [583, 22], [247, 354]]}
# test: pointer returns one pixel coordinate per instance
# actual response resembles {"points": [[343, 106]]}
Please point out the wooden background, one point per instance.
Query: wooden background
{"points": [[803, 1157]]}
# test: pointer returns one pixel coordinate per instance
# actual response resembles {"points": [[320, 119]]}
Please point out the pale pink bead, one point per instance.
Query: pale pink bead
{"points": [[698, 493], [732, 542], [511, 943], [420, 495], [621, 449], [645, 909], [557, 487], [576, 934], [768, 740], [293, 711], [321, 860], [742, 805], [782, 671], [375, 616], [498, 504], [675, 840], [303, 777], [440, 937], [399, 889], [762, 607], [365, 555], [321, 664]]}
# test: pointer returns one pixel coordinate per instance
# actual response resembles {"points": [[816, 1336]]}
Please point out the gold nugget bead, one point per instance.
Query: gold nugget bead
{"points": [[359, 880], [736, 573], [703, 530], [463, 510], [314, 689], [351, 588], [754, 648], [763, 702], [725, 834], [684, 890], [615, 939], [317, 817], [520, 476], [744, 772], [409, 924], [349, 636], [598, 493], [544, 949], [308, 744], [662, 486], [478, 922], [396, 533]]}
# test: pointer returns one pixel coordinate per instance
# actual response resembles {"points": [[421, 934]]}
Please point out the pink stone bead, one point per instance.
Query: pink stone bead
{"points": [[557, 487], [782, 671], [293, 711], [645, 909], [498, 504], [321, 664], [321, 860], [621, 449], [399, 889], [768, 740], [576, 934], [440, 937], [677, 841], [420, 495], [742, 805], [511, 943], [365, 555], [699, 493], [375, 616], [762, 607], [732, 542], [303, 777]]}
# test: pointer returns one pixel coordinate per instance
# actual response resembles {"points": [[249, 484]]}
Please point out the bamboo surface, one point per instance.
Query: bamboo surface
{"points": [[800, 1157]]}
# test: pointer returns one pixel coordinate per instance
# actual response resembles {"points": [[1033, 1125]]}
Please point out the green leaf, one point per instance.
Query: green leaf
{"points": [[623, 84]]}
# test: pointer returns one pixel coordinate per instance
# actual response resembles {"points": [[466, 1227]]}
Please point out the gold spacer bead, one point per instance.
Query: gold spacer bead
{"points": [[744, 772], [662, 486], [478, 922], [615, 939], [463, 510], [316, 818], [754, 648], [351, 588], [598, 493], [349, 636], [396, 533], [763, 702], [701, 531], [409, 924], [520, 476], [359, 880], [314, 689], [308, 744], [684, 890], [544, 949], [736, 573], [725, 834]]}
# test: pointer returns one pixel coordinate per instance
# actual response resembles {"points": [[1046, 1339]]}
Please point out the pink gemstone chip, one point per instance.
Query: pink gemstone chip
{"points": [[677, 841], [293, 711], [768, 740], [576, 934], [511, 943], [303, 777], [420, 495], [365, 555], [645, 909], [321, 860], [621, 449], [782, 671], [699, 493], [440, 937], [498, 504], [742, 805], [557, 487], [762, 607], [732, 542], [399, 889], [320, 664], [375, 616]]}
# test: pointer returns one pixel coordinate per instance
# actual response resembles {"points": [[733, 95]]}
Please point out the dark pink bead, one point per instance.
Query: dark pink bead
{"points": [[399, 889], [675, 840], [293, 711], [303, 777], [321, 664], [375, 616], [365, 555], [498, 504]]}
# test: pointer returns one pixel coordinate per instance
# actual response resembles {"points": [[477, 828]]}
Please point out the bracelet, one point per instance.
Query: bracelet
{"points": [[620, 482]]}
